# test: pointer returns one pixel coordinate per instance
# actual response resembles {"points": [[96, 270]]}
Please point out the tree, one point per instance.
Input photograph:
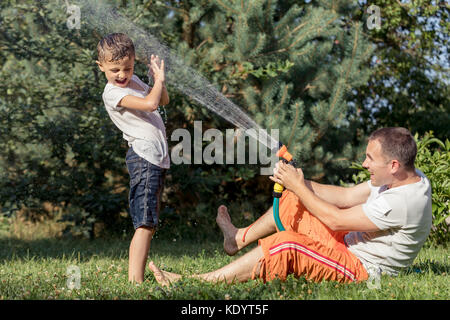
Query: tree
{"points": [[290, 65], [410, 83], [58, 145]]}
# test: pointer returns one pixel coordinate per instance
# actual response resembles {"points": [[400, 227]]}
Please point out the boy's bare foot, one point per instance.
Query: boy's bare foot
{"points": [[164, 278], [229, 231]]}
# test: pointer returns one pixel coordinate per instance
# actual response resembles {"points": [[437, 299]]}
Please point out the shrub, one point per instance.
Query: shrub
{"points": [[434, 163]]}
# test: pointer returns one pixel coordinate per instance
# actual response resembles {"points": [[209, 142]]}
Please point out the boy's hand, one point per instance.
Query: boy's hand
{"points": [[156, 69]]}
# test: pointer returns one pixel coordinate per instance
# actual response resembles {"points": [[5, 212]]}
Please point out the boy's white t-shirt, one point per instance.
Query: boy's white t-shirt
{"points": [[144, 131], [403, 215]]}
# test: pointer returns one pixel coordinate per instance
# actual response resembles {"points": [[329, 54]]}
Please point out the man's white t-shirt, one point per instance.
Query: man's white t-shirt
{"points": [[144, 131], [403, 215]]}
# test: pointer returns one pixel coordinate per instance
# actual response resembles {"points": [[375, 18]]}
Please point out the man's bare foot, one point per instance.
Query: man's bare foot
{"points": [[164, 278], [229, 231]]}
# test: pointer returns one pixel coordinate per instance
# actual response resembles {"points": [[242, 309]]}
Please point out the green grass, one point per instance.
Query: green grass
{"points": [[36, 269]]}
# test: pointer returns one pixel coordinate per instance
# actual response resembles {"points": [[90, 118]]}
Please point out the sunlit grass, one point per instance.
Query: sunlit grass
{"points": [[37, 268]]}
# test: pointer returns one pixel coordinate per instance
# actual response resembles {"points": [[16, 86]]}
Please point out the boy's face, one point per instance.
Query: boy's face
{"points": [[119, 72]]}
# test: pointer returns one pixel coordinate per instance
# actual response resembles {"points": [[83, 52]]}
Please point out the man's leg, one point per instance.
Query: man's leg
{"points": [[139, 248], [282, 254], [239, 270], [237, 238]]}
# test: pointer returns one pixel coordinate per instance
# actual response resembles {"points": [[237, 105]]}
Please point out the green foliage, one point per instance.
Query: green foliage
{"points": [[300, 67], [289, 65], [58, 144], [271, 70], [409, 86], [433, 158]]}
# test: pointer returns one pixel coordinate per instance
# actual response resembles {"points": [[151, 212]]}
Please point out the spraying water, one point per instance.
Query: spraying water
{"points": [[185, 79]]}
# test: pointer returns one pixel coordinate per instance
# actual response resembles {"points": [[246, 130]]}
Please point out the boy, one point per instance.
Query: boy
{"points": [[132, 106]]}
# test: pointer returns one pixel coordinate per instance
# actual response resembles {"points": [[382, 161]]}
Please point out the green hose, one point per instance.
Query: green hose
{"points": [[276, 214]]}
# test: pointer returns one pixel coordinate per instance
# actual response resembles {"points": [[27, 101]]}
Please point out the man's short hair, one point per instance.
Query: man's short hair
{"points": [[397, 143], [119, 45]]}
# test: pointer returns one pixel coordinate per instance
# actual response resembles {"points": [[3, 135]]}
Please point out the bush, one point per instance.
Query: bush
{"points": [[434, 163], [433, 158]]}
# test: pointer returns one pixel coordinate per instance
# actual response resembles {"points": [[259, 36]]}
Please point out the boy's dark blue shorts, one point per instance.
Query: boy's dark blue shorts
{"points": [[146, 185]]}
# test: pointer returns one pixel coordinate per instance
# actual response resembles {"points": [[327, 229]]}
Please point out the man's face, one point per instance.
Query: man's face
{"points": [[377, 164], [118, 73]]}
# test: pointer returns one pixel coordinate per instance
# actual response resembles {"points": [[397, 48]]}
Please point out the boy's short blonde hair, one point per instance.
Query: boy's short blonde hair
{"points": [[118, 45]]}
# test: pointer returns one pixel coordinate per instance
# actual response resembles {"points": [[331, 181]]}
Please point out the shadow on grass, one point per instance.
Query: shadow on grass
{"points": [[83, 250], [116, 248], [428, 266]]}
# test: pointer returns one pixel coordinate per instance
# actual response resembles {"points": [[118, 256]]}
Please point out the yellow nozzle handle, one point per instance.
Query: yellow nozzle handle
{"points": [[278, 187]]}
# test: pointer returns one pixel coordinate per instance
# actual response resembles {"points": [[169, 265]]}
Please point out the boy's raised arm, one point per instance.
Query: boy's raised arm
{"points": [[149, 103], [164, 97], [158, 94]]}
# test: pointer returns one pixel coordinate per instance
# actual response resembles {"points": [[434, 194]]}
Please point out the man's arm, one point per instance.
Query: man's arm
{"points": [[337, 219], [342, 197]]}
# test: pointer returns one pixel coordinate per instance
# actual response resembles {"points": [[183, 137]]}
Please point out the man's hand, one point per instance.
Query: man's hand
{"points": [[288, 176]]}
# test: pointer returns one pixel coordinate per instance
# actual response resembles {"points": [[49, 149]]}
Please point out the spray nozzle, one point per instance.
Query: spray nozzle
{"points": [[286, 156], [283, 153]]}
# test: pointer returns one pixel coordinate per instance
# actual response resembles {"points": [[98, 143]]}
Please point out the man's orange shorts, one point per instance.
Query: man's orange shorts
{"points": [[307, 248]]}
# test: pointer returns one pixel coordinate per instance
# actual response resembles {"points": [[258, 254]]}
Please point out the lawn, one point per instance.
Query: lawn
{"points": [[39, 269]]}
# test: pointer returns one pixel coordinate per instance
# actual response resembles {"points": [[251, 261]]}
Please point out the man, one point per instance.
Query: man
{"points": [[335, 233]]}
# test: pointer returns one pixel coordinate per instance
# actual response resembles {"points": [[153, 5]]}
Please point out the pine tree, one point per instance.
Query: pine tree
{"points": [[290, 65]]}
